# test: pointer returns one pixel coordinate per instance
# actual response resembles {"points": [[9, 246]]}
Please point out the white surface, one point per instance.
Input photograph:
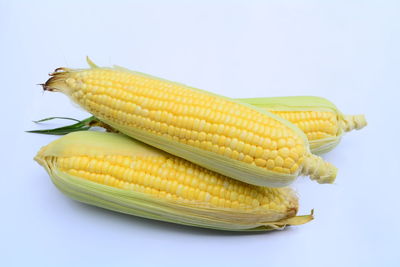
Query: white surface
{"points": [[347, 52]]}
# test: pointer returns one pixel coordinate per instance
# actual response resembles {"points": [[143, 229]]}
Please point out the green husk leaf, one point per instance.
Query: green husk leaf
{"points": [[82, 125], [56, 118]]}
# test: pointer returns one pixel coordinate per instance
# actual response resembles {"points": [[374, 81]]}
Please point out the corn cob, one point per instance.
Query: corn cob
{"points": [[118, 173], [221, 134], [317, 117]]}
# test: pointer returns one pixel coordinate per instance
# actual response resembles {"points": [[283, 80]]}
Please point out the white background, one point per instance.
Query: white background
{"points": [[346, 51]]}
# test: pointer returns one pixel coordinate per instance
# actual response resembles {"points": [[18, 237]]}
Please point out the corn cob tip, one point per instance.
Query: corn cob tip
{"points": [[57, 81], [319, 170], [354, 122], [39, 158]]}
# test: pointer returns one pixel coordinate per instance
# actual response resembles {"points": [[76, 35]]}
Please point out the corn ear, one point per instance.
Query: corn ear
{"points": [[118, 173], [226, 136], [317, 117]]}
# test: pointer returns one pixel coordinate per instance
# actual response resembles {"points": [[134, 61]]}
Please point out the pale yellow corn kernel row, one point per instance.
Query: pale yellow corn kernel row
{"points": [[172, 178]]}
